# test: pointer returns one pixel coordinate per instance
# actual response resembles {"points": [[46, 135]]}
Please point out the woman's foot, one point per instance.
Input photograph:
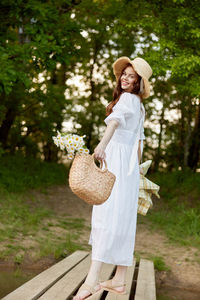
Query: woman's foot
{"points": [[113, 285], [85, 291]]}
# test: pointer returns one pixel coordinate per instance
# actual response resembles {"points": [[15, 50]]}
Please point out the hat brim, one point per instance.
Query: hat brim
{"points": [[119, 65]]}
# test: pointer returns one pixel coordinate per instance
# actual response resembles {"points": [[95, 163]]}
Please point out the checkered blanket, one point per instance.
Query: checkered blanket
{"points": [[146, 189]]}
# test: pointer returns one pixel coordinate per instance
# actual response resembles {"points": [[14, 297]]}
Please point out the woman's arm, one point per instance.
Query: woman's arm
{"points": [[100, 149]]}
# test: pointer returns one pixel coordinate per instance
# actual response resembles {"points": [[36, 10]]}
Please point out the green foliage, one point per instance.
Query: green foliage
{"points": [[45, 45], [180, 223], [166, 42], [36, 37], [59, 250], [178, 210], [177, 184], [18, 173], [18, 216], [26, 218], [159, 263], [72, 223], [19, 259]]}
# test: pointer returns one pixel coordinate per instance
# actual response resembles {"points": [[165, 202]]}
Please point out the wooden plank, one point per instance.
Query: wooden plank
{"points": [[129, 280], [35, 287], [68, 283], [146, 288], [66, 287]]}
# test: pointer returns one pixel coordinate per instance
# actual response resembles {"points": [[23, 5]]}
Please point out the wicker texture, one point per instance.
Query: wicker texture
{"points": [[89, 182]]}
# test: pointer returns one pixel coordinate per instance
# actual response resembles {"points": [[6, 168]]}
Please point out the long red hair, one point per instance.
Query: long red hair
{"points": [[118, 91]]}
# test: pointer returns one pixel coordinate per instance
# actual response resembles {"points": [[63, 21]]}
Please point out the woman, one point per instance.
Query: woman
{"points": [[114, 222]]}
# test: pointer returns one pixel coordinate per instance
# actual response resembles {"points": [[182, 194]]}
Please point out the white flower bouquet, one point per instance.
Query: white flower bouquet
{"points": [[72, 143]]}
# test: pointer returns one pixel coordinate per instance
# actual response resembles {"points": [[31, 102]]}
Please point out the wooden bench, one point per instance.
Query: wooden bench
{"points": [[62, 280]]}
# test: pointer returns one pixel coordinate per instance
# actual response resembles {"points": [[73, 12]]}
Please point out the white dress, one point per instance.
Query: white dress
{"points": [[113, 223]]}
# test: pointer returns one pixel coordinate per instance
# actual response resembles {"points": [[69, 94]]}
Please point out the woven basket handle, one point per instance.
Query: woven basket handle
{"points": [[101, 162]]}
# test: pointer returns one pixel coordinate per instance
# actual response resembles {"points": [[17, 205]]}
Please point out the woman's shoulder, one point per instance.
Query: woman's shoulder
{"points": [[130, 100], [131, 96], [133, 102]]}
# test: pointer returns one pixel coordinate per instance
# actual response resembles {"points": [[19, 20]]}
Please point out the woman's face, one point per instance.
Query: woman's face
{"points": [[128, 79]]}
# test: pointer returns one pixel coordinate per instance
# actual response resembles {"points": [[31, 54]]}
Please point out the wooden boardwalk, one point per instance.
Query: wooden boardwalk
{"points": [[62, 280]]}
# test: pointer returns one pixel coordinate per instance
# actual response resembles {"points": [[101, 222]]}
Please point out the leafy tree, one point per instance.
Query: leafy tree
{"points": [[35, 37], [46, 47]]}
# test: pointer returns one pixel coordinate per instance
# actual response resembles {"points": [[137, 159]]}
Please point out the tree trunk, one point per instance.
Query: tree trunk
{"points": [[6, 125], [193, 157], [96, 48], [158, 152], [58, 78], [187, 138]]}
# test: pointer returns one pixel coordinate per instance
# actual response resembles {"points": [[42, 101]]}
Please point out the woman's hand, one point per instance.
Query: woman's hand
{"points": [[99, 152]]}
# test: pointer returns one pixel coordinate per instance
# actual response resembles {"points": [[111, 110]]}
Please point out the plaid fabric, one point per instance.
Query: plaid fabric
{"points": [[146, 189]]}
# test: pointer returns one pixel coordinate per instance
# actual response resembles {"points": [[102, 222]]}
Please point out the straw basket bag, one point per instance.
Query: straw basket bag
{"points": [[88, 181]]}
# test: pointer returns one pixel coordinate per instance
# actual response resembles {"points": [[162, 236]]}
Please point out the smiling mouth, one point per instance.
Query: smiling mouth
{"points": [[124, 83]]}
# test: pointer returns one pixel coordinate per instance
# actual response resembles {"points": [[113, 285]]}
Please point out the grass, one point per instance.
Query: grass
{"points": [[17, 175], [33, 224], [61, 249], [180, 224], [177, 212], [44, 241], [26, 218], [18, 258], [19, 217], [72, 223], [159, 262]]}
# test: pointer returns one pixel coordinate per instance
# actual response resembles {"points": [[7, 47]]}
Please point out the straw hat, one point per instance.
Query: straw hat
{"points": [[140, 66]]}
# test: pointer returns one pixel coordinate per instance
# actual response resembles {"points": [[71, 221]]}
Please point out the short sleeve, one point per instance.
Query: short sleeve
{"points": [[122, 110]]}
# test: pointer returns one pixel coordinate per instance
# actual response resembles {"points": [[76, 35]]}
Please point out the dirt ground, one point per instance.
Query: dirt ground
{"points": [[181, 282]]}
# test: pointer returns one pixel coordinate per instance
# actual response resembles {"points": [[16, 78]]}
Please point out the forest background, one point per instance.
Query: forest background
{"points": [[56, 74], [56, 66]]}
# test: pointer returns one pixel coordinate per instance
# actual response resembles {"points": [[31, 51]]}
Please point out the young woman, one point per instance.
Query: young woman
{"points": [[114, 222]]}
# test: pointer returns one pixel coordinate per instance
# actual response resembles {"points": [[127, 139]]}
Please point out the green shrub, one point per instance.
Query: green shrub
{"points": [[18, 173], [177, 212]]}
